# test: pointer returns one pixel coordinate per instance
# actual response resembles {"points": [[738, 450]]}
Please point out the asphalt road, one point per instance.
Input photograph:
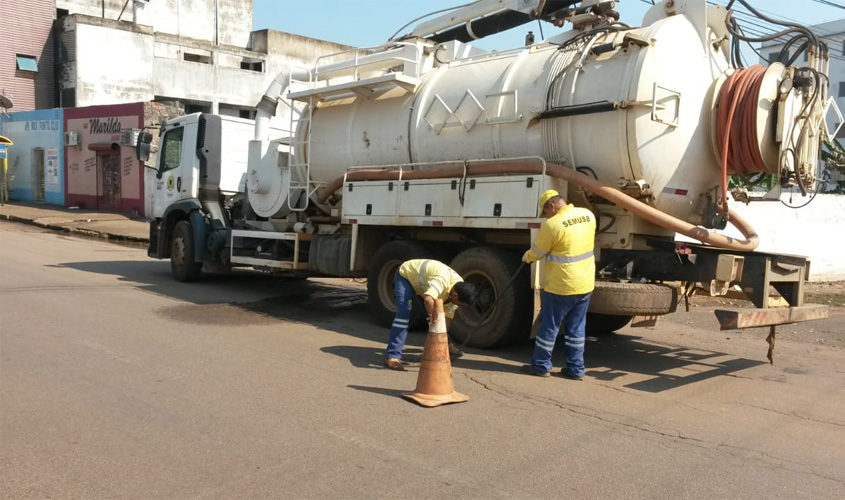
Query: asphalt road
{"points": [[117, 382]]}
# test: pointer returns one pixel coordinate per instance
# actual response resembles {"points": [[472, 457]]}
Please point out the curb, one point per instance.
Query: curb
{"points": [[84, 232]]}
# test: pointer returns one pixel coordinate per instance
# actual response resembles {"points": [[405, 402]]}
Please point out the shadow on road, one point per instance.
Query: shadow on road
{"points": [[371, 357], [668, 367], [341, 306], [378, 390]]}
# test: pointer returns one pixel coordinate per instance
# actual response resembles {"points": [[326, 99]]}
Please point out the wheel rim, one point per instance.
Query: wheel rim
{"points": [[386, 290], [178, 251], [483, 311]]}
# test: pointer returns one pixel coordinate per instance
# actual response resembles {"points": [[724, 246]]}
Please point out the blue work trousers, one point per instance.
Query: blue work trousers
{"points": [[399, 331], [571, 310]]}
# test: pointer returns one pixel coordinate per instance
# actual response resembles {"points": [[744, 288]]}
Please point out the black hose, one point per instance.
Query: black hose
{"points": [[586, 108], [762, 16], [592, 172]]}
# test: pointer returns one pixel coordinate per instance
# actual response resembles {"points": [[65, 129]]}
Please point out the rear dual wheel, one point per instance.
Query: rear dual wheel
{"points": [[382, 270], [502, 313], [491, 323]]}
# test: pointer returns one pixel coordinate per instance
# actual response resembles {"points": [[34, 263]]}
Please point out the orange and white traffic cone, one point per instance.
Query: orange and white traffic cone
{"points": [[434, 382]]}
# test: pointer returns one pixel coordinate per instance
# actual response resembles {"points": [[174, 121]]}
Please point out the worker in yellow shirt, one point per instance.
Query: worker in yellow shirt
{"points": [[432, 280], [565, 241]]}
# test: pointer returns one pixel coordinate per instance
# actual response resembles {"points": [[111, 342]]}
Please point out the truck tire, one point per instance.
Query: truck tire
{"points": [[382, 268], [182, 262], [633, 299], [490, 270], [598, 324]]}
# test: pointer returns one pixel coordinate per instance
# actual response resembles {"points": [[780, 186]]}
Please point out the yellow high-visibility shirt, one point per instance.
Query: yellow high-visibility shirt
{"points": [[566, 242], [432, 278]]}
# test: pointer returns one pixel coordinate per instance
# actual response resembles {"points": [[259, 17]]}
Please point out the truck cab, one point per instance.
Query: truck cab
{"points": [[178, 167]]}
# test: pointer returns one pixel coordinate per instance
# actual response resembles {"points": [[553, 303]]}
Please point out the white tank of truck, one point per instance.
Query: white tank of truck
{"points": [[637, 108]]}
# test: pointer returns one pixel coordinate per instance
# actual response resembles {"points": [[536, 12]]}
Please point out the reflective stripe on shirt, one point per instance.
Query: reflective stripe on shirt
{"points": [[539, 252], [569, 260]]}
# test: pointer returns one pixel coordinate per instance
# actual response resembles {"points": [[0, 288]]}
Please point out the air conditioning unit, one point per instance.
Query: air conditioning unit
{"points": [[129, 137], [71, 139]]}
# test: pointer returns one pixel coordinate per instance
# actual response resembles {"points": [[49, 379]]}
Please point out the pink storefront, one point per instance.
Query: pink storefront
{"points": [[101, 171]]}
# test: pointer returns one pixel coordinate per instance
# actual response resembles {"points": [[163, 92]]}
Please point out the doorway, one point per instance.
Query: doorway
{"points": [[37, 174], [108, 168]]}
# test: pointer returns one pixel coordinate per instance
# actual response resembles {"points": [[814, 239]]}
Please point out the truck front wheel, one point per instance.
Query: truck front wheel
{"points": [[182, 262], [382, 269], [501, 314]]}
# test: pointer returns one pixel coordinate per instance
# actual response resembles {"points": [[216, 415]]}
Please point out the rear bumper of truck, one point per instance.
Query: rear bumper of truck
{"points": [[732, 319]]}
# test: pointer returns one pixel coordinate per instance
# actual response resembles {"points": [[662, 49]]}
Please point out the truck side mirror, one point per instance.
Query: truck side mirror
{"points": [[142, 147]]}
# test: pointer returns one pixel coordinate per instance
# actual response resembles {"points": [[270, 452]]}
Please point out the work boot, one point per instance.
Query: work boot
{"points": [[567, 375], [394, 364], [530, 370], [454, 351]]}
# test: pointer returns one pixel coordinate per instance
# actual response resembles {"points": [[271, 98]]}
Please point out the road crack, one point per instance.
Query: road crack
{"points": [[793, 413], [611, 418]]}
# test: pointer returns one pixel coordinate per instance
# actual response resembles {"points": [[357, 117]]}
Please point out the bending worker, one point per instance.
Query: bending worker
{"points": [[432, 280], [566, 241]]}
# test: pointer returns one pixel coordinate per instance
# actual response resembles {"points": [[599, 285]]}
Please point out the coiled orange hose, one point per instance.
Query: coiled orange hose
{"points": [[736, 125]]}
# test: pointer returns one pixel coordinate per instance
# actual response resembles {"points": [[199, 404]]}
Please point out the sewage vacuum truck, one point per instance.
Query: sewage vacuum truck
{"points": [[429, 147]]}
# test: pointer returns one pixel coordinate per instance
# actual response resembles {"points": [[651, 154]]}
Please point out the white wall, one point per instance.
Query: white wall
{"points": [[112, 66], [122, 63], [186, 18], [816, 231]]}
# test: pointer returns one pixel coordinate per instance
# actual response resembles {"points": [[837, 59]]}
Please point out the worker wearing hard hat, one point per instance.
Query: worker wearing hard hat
{"points": [[432, 280], [565, 241]]}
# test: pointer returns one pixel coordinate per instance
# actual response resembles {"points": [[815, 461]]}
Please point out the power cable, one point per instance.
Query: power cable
{"points": [[830, 4]]}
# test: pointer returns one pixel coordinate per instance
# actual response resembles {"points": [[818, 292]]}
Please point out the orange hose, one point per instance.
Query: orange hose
{"points": [[736, 125], [613, 195]]}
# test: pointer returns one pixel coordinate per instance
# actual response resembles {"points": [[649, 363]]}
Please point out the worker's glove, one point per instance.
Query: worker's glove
{"points": [[525, 257]]}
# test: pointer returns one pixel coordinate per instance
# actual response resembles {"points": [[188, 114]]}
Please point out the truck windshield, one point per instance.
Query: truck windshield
{"points": [[171, 149]]}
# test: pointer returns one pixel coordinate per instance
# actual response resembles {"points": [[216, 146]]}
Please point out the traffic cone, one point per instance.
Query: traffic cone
{"points": [[434, 382]]}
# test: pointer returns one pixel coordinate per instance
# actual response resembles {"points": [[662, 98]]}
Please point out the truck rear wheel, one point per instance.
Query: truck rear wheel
{"points": [[382, 269], [494, 323], [182, 262], [605, 323]]}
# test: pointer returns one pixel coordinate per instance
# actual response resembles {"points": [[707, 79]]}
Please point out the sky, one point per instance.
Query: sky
{"points": [[367, 23]]}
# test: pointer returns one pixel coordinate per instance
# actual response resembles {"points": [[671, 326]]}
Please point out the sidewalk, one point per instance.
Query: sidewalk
{"points": [[105, 225]]}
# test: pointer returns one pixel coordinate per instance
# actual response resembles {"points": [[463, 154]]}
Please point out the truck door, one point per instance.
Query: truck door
{"points": [[168, 183]]}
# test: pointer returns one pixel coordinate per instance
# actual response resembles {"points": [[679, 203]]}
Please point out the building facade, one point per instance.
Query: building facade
{"points": [[35, 159], [101, 170], [114, 67], [27, 54], [200, 53]]}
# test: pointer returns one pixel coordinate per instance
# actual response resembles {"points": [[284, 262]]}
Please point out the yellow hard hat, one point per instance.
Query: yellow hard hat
{"points": [[545, 197]]}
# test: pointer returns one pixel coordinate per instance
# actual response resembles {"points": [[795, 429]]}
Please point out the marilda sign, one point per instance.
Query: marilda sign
{"points": [[106, 126]]}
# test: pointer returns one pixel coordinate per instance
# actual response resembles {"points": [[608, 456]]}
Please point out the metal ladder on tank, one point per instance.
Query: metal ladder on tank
{"points": [[297, 148], [320, 88]]}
